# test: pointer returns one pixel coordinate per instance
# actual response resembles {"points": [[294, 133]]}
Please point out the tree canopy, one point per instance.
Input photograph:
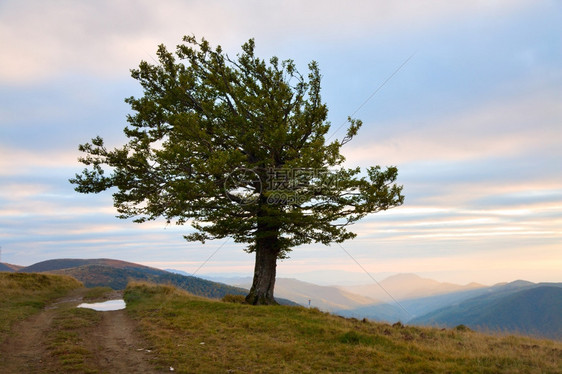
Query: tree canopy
{"points": [[236, 147]]}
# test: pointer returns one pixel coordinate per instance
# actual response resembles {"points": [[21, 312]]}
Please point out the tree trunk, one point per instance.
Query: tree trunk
{"points": [[265, 268], [267, 250]]}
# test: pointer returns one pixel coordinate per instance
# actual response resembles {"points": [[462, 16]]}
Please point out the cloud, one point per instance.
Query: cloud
{"points": [[105, 37], [497, 259], [472, 122], [506, 128], [17, 161]]}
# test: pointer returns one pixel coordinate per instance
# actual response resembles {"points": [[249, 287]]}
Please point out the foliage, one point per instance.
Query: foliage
{"points": [[193, 334], [238, 148], [201, 119]]}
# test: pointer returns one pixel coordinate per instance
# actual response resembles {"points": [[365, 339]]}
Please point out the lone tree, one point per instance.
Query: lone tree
{"points": [[236, 148]]}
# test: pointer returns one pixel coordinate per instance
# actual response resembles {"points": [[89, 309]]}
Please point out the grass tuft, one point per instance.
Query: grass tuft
{"points": [[462, 328], [353, 337], [237, 299], [96, 293]]}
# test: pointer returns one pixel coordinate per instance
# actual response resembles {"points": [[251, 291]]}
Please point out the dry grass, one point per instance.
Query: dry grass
{"points": [[24, 294], [67, 330], [66, 341], [97, 293], [196, 335]]}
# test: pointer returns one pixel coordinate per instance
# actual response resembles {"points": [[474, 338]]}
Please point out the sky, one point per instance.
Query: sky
{"points": [[464, 97]]}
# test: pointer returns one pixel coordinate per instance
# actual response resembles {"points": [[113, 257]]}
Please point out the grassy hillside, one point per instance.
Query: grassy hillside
{"points": [[197, 335], [21, 295]]}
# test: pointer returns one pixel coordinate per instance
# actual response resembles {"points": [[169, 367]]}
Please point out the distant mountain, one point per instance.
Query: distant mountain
{"points": [[420, 306], [351, 301], [518, 307], [117, 278], [408, 286], [416, 295], [233, 281], [180, 272], [9, 267], [391, 312], [116, 274], [380, 312], [326, 298], [67, 263]]}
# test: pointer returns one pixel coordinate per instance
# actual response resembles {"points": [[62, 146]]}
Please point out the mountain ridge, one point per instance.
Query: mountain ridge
{"points": [[67, 263], [472, 305], [326, 298], [408, 286], [532, 310], [117, 274], [4, 266]]}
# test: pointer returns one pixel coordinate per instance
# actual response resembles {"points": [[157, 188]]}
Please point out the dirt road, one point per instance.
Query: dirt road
{"points": [[112, 345]]}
